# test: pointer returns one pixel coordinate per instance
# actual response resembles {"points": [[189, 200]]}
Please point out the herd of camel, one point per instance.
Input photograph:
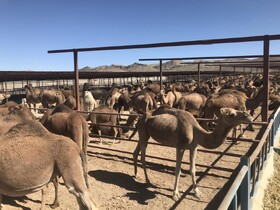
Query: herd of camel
{"points": [[35, 152]]}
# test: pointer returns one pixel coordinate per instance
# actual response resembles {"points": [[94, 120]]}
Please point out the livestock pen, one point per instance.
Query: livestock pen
{"points": [[111, 167]]}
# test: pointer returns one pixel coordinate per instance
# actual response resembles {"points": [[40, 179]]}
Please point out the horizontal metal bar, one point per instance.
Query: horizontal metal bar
{"points": [[233, 189], [256, 152], [173, 44], [205, 58]]}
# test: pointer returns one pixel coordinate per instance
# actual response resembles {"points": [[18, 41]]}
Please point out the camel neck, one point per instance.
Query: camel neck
{"points": [[212, 140], [253, 103]]}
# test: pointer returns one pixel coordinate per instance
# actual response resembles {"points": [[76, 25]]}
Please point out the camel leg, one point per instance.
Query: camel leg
{"points": [[100, 138], [74, 180], [43, 203], [250, 127], [55, 204], [135, 157], [143, 148], [193, 153], [179, 157]]}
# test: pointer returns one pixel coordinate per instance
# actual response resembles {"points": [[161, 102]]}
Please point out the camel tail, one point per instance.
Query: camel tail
{"points": [[85, 137], [84, 165]]}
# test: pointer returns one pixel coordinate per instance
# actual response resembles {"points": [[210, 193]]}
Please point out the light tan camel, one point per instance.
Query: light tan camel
{"points": [[40, 156], [172, 97], [142, 101], [4, 108], [193, 103], [15, 115], [179, 129]]}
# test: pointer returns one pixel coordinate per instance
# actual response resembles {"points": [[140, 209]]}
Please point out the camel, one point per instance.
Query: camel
{"points": [[5, 96], [50, 97], [40, 156], [89, 101], [70, 102], [32, 95], [105, 119], [4, 108], [142, 102], [172, 97], [69, 123], [15, 114], [193, 103], [179, 129]]}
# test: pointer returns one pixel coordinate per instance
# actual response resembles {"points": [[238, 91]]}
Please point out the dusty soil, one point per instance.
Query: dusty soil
{"points": [[114, 187]]}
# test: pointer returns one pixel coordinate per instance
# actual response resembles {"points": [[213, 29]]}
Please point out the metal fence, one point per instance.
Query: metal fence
{"points": [[250, 169]]}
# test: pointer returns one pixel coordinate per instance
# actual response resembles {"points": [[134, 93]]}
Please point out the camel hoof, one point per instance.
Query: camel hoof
{"points": [[175, 197], [197, 194], [54, 205]]}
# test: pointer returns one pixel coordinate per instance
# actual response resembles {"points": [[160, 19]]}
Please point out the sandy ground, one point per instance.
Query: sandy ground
{"points": [[114, 187]]}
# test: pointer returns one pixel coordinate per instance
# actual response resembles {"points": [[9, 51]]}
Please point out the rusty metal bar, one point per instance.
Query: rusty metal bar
{"points": [[160, 70], [198, 70], [265, 79], [234, 187], [173, 44], [256, 152], [205, 58], [77, 89]]}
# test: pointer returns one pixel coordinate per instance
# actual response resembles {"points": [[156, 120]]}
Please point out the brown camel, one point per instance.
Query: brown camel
{"points": [[70, 102], [50, 97], [193, 103], [226, 98], [40, 156], [32, 95], [67, 122], [179, 129], [106, 119]]}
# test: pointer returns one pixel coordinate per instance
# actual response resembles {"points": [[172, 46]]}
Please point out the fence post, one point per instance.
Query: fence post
{"points": [[245, 185]]}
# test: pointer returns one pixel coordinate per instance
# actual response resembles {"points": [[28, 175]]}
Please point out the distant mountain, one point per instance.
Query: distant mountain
{"points": [[174, 65]]}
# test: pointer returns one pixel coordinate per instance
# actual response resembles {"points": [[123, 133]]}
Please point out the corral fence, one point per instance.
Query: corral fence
{"points": [[251, 168]]}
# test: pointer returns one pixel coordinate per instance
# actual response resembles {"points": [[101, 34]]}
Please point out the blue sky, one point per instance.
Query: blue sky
{"points": [[30, 28]]}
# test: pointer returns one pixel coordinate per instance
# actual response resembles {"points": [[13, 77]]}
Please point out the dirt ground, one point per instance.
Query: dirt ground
{"points": [[114, 187]]}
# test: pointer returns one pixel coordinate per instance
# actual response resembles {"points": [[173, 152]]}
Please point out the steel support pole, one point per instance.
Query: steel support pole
{"points": [[160, 69], [220, 75], [265, 79], [77, 89], [198, 69]]}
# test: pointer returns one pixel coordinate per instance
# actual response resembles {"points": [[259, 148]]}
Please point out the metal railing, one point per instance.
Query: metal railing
{"points": [[250, 169]]}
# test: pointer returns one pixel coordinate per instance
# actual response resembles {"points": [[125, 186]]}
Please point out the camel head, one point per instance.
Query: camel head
{"points": [[232, 117], [23, 111]]}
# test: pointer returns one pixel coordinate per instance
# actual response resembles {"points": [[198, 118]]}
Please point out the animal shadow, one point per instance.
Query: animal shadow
{"points": [[139, 193], [13, 201]]}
